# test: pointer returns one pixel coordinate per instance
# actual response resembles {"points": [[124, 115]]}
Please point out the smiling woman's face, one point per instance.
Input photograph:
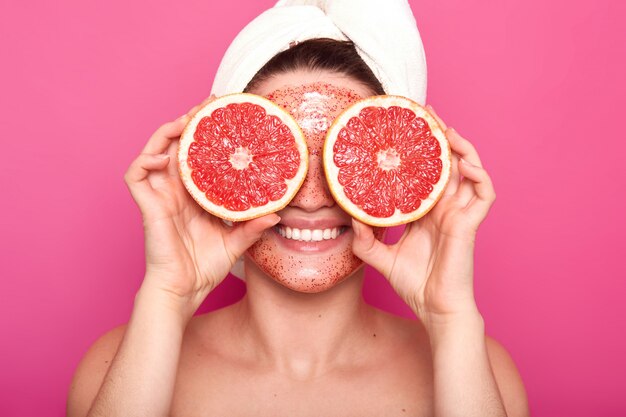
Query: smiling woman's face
{"points": [[310, 250]]}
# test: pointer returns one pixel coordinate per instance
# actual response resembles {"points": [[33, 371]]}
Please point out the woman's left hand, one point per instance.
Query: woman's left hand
{"points": [[432, 265]]}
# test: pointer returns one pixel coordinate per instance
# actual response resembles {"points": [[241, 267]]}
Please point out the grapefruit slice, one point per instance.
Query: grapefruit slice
{"points": [[386, 160], [242, 156]]}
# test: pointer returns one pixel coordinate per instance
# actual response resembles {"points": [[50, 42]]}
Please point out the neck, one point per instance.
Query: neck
{"points": [[303, 335]]}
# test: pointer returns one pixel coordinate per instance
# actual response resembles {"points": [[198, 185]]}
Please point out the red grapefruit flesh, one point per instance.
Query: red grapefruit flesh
{"points": [[387, 160], [242, 156]]}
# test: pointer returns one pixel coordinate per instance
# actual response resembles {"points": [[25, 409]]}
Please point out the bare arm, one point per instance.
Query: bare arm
{"points": [[188, 253], [132, 370], [432, 268], [474, 374], [464, 383], [509, 381]]}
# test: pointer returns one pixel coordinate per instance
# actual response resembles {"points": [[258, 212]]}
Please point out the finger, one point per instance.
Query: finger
{"points": [[195, 109], [172, 151], [437, 118], [477, 188], [369, 249], [173, 148], [142, 165], [137, 174], [160, 140], [453, 184], [244, 234], [455, 177], [463, 147]]}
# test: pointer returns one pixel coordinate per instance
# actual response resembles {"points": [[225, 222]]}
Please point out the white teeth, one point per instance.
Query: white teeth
{"points": [[308, 235], [317, 235]]}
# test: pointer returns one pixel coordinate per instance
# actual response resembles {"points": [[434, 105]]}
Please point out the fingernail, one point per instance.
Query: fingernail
{"points": [[182, 117], [428, 106], [463, 161], [356, 228], [163, 156]]}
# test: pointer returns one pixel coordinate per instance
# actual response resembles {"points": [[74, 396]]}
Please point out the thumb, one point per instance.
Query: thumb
{"points": [[244, 234], [370, 250]]}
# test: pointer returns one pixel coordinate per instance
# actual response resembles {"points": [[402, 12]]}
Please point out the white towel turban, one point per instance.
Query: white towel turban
{"points": [[384, 33]]}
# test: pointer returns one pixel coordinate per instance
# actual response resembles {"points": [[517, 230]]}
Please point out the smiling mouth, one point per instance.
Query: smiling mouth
{"points": [[309, 235]]}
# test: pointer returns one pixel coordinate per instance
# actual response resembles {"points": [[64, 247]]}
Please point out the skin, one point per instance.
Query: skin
{"points": [[310, 267], [284, 352]]}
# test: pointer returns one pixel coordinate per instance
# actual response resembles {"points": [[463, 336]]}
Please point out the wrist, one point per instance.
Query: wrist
{"points": [[152, 297], [142, 376], [461, 325]]}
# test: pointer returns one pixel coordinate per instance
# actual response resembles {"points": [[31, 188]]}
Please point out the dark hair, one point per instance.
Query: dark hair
{"points": [[319, 54]]}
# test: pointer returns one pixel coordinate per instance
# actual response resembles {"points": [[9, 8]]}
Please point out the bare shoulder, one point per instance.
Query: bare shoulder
{"points": [[508, 379], [410, 337], [95, 364], [403, 329], [403, 338], [91, 372]]}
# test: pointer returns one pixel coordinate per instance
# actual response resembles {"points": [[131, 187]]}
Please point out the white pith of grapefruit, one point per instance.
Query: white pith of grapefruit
{"points": [[386, 160], [241, 157]]}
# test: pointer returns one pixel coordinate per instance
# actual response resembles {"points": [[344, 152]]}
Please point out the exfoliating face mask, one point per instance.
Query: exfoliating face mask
{"points": [[311, 249]]}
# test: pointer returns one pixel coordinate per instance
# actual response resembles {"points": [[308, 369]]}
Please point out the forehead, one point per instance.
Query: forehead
{"points": [[305, 77], [314, 99], [314, 102]]}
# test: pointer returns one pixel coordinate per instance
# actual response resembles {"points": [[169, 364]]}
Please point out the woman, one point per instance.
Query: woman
{"points": [[290, 348]]}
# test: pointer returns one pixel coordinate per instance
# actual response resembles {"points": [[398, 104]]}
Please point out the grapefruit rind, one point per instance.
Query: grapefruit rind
{"points": [[293, 184], [332, 171]]}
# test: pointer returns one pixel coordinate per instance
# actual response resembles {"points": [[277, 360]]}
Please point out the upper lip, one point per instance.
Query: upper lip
{"points": [[303, 223], [322, 219]]}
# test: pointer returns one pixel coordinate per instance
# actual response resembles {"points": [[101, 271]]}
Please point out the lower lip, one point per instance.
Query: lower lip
{"points": [[312, 246]]}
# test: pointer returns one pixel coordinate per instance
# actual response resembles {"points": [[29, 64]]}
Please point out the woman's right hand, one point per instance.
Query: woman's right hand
{"points": [[188, 251]]}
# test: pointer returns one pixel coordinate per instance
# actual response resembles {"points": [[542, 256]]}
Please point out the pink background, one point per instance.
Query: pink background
{"points": [[537, 85]]}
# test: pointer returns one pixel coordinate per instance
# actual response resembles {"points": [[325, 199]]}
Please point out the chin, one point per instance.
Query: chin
{"points": [[315, 284], [306, 267], [304, 273]]}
